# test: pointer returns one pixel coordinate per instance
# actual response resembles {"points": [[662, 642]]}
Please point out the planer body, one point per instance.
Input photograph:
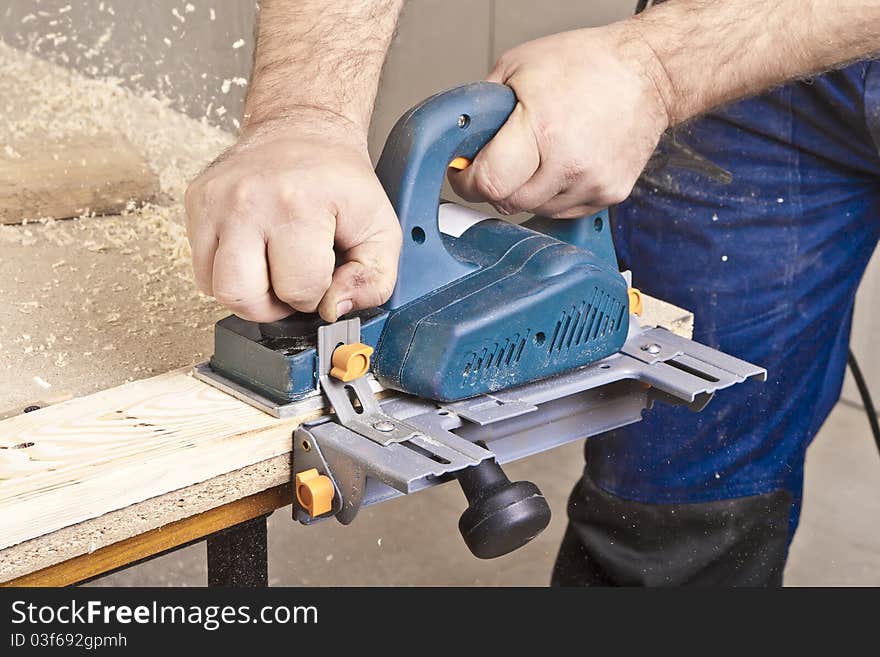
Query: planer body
{"points": [[534, 306]]}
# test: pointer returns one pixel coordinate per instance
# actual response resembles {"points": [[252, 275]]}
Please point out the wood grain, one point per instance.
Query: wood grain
{"points": [[89, 536], [157, 541], [662, 313], [83, 458], [66, 178]]}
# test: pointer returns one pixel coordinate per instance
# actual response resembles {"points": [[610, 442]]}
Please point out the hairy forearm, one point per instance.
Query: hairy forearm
{"points": [[710, 52], [319, 56]]}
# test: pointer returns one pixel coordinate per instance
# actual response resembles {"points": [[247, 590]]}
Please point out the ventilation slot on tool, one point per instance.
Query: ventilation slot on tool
{"points": [[500, 357], [593, 320]]}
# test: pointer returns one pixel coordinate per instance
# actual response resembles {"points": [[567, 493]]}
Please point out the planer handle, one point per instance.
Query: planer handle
{"points": [[452, 124], [448, 130]]}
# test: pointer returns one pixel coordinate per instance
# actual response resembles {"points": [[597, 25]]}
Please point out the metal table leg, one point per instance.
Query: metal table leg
{"points": [[238, 556]]}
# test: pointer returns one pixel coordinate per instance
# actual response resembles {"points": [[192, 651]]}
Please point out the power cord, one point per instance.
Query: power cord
{"points": [[867, 402]]}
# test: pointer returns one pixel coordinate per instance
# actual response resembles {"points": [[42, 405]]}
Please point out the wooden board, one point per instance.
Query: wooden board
{"points": [[669, 316], [156, 541], [119, 531], [95, 471], [81, 459], [64, 178]]}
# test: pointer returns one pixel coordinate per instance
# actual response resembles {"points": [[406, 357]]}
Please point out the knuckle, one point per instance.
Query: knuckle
{"points": [[616, 191], [302, 294], [244, 193], [294, 198]]}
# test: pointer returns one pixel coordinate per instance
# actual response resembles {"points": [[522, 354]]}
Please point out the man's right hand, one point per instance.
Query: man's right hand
{"points": [[294, 218]]}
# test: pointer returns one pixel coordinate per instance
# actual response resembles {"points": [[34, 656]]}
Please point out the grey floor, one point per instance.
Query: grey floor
{"points": [[414, 541]]}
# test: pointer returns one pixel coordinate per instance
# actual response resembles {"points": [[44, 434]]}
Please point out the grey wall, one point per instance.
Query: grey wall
{"points": [[173, 47], [441, 43], [157, 46]]}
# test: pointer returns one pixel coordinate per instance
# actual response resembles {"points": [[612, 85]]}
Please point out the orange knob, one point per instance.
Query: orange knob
{"points": [[351, 361], [635, 301], [460, 163], [314, 492]]}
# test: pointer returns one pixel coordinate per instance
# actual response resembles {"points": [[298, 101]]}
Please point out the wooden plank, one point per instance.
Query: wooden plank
{"points": [[91, 535], [669, 316], [157, 540], [58, 179], [83, 458]]}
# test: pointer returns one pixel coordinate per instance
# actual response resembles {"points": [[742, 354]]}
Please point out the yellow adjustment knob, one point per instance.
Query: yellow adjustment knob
{"points": [[635, 301], [314, 492], [351, 361], [460, 163]]}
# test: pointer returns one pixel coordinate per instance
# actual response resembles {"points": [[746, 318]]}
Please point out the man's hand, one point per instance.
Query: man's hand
{"points": [[292, 217], [291, 202], [593, 103], [589, 115]]}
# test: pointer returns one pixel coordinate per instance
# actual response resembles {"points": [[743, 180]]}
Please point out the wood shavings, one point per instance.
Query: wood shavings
{"points": [[40, 381], [54, 102], [98, 297]]}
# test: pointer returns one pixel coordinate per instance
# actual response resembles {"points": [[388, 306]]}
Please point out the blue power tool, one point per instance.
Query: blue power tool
{"points": [[494, 332], [496, 306]]}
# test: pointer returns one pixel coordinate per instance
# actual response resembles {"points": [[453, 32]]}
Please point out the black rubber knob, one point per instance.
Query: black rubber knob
{"points": [[502, 516]]}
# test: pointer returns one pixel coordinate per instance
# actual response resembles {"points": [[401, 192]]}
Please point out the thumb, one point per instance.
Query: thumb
{"points": [[502, 166], [365, 277]]}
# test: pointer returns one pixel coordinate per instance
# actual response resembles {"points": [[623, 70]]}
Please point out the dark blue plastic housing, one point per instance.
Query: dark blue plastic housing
{"points": [[501, 305]]}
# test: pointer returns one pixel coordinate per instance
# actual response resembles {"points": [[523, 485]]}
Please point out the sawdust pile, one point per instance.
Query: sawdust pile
{"points": [[52, 103], [94, 301]]}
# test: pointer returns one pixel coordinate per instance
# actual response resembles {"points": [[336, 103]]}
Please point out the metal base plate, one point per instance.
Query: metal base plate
{"points": [[437, 439]]}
